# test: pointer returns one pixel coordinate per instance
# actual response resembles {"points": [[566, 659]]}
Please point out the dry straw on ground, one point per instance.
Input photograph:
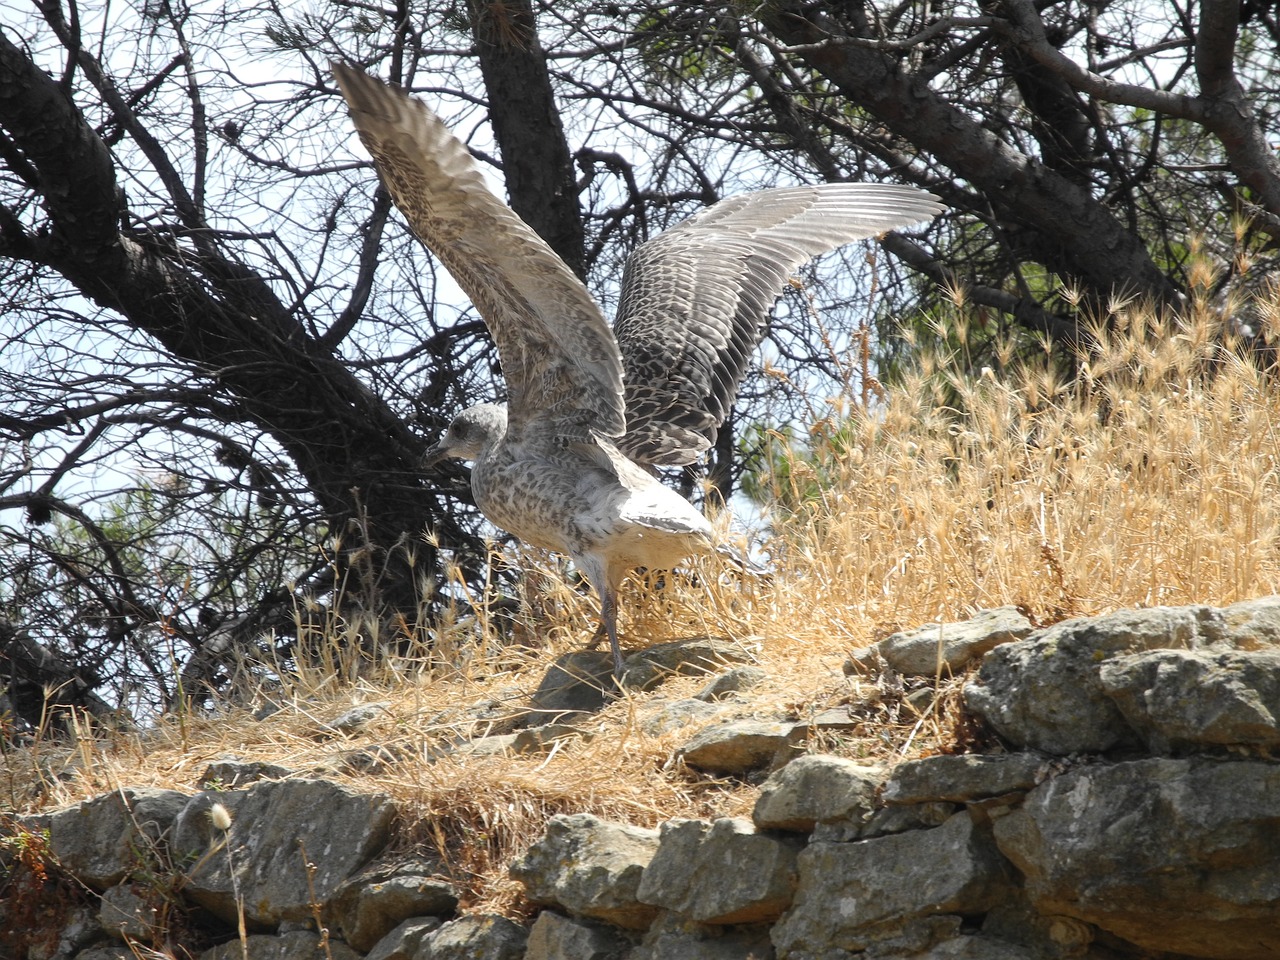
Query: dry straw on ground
{"points": [[1150, 478]]}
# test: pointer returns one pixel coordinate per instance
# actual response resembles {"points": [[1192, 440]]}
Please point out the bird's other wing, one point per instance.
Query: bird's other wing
{"points": [[559, 357], [694, 300]]}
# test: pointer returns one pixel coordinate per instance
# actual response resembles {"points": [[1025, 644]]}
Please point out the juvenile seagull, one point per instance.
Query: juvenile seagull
{"points": [[564, 464]]}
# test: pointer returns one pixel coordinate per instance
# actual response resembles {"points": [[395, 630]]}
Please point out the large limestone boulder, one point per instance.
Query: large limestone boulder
{"points": [[963, 778], [102, 841], [817, 788], [1181, 699], [296, 945], [673, 938], [557, 937], [1176, 855], [369, 905], [853, 894], [477, 937], [276, 830], [590, 868], [1046, 692], [723, 872]]}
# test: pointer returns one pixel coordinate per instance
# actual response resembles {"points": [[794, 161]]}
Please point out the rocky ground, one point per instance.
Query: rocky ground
{"points": [[1124, 805]]}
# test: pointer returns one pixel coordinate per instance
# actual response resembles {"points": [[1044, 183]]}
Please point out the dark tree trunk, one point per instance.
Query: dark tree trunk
{"points": [[357, 456], [535, 156]]}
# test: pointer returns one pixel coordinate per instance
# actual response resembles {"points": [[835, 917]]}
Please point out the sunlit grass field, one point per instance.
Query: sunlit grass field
{"points": [[1148, 478]]}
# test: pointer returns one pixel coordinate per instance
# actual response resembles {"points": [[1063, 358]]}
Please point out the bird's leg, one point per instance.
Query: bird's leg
{"points": [[596, 637], [606, 586]]}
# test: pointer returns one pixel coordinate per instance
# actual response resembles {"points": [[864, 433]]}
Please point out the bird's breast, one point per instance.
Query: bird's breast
{"points": [[569, 503]]}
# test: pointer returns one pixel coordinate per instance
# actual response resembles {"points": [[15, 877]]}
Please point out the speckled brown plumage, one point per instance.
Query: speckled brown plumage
{"points": [[562, 465]]}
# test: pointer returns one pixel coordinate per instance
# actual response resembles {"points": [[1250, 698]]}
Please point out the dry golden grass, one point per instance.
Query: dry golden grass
{"points": [[1151, 479]]}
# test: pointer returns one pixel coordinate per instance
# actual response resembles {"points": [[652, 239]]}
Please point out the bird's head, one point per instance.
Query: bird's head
{"points": [[473, 431]]}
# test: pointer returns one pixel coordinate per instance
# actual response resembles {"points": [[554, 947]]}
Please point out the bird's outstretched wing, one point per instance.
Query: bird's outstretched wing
{"points": [[559, 358], [694, 300]]}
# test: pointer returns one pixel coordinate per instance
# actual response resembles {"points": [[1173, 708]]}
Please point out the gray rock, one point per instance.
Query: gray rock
{"points": [[920, 652], [816, 788], [1252, 624], [578, 682], [1052, 937], [367, 760], [357, 718], [299, 945], [340, 829], [852, 894], [106, 951], [736, 746], [658, 718], [831, 720], [942, 938], [477, 937], [738, 680], [101, 841], [230, 773], [973, 947], [884, 821], [963, 777], [671, 938], [71, 928], [692, 657], [1177, 699], [123, 912], [557, 937], [494, 746], [591, 868], [468, 721], [1176, 855], [722, 872], [542, 738], [1045, 692], [368, 906], [407, 940]]}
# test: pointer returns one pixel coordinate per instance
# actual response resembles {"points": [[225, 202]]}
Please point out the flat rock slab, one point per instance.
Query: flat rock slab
{"points": [[664, 716], [963, 778], [817, 788], [736, 746], [948, 647]]}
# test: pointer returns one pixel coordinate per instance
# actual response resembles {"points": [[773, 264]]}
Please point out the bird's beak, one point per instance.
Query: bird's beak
{"points": [[434, 455]]}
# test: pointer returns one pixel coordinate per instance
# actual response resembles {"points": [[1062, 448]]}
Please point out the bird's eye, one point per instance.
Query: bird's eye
{"points": [[460, 431]]}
